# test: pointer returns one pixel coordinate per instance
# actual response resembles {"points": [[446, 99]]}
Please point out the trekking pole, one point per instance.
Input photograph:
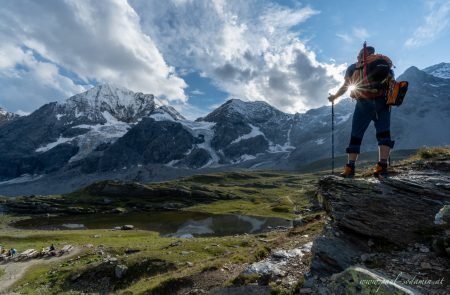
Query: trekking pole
{"points": [[332, 137]]}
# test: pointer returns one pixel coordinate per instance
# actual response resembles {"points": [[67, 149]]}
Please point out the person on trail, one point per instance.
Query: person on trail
{"points": [[367, 81]]}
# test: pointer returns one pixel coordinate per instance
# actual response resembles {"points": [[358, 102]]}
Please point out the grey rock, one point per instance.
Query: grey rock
{"points": [[120, 270], [349, 282], [298, 222], [332, 254], [376, 210], [443, 216]]}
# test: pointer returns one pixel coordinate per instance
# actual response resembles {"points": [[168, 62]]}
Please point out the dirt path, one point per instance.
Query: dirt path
{"points": [[15, 270]]}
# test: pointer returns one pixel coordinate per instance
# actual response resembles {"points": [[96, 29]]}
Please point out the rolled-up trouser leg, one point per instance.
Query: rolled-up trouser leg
{"points": [[361, 120], [383, 125]]}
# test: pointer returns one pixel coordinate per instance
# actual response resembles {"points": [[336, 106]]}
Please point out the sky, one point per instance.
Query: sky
{"points": [[196, 54]]}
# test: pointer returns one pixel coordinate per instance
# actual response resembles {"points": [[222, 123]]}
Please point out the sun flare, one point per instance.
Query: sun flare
{"points": [[352, 87]]}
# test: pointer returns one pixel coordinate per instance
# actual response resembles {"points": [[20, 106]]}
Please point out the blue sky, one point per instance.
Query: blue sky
{"points": [[195, 54]]}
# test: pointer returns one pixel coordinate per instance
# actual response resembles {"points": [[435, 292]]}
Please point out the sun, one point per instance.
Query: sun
{"points": [[352, 87]]}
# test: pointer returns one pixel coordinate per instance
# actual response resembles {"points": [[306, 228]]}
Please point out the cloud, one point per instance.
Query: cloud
{"points": [[436, 21], [360, 33], [357, 34], [249, 49], [197, 92], [26, 82], [346, 37], [93, 40]]}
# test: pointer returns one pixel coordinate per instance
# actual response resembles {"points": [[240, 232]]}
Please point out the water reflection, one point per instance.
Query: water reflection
{"points": [[173, 223]]}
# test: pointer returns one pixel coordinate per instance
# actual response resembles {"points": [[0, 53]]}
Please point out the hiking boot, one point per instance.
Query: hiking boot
{"points": [[380, 170], [349, 171]]}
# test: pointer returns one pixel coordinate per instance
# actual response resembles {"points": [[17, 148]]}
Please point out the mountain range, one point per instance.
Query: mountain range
{"points": [[110, 132]]}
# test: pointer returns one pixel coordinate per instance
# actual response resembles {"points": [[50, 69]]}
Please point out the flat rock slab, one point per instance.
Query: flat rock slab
{"points": [[398, 209]]}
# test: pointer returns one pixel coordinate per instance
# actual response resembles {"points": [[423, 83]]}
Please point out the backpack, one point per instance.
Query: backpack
{"points": [[371, 76], [396, 92]]}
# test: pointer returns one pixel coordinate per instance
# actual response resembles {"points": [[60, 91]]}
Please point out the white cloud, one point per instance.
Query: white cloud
{"points": [[95, 40], [357, 34], [346, 37], [436, 21], [197, 92], [360, 33], [32, 84], [247, 48]]}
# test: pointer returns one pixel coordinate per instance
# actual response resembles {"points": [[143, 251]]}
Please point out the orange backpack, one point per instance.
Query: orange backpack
{"points": [[371, 76], [396, 92]]}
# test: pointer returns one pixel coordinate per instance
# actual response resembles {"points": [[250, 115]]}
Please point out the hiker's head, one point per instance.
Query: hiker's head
{"points": [[369, 49]]}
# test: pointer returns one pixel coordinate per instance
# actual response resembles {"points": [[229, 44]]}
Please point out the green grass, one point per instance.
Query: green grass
{"points": [[260, 194], [201, 252], [427, 153]]}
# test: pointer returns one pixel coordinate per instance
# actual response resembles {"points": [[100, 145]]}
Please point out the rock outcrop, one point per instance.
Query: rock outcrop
{"points": [[392, 230]]}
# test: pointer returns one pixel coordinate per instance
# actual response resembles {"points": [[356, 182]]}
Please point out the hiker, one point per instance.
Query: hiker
{"points": [[12, 252], [367, 80]]}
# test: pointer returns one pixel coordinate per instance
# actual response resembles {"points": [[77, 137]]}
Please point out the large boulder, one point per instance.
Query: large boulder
{"points": [[382, 228]]}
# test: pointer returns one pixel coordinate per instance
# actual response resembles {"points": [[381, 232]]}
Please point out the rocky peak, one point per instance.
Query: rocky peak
{"points": [[6, 116], [441, 70], [108, 102], [251, 110]]}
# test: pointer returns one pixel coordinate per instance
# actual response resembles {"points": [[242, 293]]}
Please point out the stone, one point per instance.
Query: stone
{"points": [[359, 280], [425, 265], [443, 216], [120, 270], [127, 227], [424, 249], [333, 254], [366, 257], [297, 222], [393, 210]]}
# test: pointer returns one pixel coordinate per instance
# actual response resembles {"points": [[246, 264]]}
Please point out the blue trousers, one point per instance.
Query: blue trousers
{"points": [[367, 110]]}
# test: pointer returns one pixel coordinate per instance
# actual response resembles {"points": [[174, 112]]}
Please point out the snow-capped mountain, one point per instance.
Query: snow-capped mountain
{"points": [[111, 132], [243, 130], [58, 134], [441, 70], [6, 116]]}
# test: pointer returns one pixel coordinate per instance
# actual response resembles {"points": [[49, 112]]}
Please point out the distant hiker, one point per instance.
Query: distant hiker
{"points": [[12, 252], [367, 79]]}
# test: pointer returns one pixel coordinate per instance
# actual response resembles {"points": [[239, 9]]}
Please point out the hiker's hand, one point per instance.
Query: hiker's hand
{"points": [[331, 97]]}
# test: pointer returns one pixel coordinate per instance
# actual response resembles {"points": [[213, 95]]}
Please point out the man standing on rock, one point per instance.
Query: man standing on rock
{"points": [[367, 80]]}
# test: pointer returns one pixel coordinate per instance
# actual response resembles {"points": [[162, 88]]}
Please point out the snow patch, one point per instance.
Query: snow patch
{"points": [[243, 158], [162, 117], [320, 141], [343, 118], [22, 179], [51, 145], [253, 133], [205, 130]]}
